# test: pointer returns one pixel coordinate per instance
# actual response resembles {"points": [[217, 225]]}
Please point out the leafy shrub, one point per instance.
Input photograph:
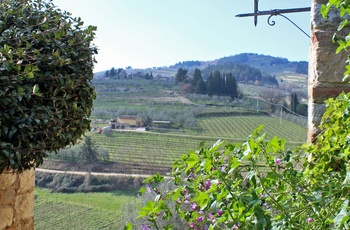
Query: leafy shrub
{"points": [[257, 184], [69, 183], [45, 88]]}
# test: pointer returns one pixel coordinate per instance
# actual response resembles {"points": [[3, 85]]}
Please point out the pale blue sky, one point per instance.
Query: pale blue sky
{"points": [[155, 33]]}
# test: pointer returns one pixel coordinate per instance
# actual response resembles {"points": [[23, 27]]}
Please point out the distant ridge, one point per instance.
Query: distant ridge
{"points": [[265, 63]]}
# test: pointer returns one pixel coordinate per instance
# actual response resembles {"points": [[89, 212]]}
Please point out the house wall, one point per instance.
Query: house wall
{"points": [[326, 68]]}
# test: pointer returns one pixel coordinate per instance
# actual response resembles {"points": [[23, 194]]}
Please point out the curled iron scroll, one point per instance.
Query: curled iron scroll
{"points": [[272, 22]]}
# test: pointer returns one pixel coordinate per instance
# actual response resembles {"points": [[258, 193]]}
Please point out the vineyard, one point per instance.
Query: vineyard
{"points": [[147, 153], [242, 126], [79, 211], [133, 152]]}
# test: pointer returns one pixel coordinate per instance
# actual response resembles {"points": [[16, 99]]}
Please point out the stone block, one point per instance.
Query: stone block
{"points": [[27, 224], [9, 197], [26, 181], [319, 94], [7, 180], [6, 217], [24, 206]]}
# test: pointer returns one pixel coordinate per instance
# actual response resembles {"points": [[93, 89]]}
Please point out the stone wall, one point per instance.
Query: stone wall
{"points": [[326, 68], [17, 200]]}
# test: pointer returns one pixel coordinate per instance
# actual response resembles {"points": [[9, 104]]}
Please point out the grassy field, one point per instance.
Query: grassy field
{"points": [[80, 210]]}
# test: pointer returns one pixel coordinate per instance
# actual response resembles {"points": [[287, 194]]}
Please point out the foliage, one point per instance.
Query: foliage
{"points": [[46, 62], [70, 183], [273, 97], [257, 184], [181, 75], [88, 153]]}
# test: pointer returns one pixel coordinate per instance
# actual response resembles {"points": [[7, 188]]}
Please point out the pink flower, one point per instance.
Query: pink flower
{"points": [[145, 227], [200, 219], [192, 225], [278, 161], [207, 184], [212, 217], [309, 220], [178, 201], [194, 206], [234, 227], [220, 212]]}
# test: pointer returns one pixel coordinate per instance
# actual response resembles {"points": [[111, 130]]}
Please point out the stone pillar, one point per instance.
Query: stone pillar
{"points": [[17, 200], [326, 68]]}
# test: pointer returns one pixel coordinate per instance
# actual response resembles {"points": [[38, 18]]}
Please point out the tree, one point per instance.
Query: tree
{"points": [[88, 153], [273, 97], [181, 75], [45, 84], [112, 72], [294, 102], [200, 87], [197, 76], [231, 88]]}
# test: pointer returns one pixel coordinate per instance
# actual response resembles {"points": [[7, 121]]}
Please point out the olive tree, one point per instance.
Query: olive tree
{"points": [[46, 64]]}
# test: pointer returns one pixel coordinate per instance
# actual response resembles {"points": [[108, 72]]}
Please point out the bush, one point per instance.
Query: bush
{"points": [[259, 185], [69, 183], [46, 69]]}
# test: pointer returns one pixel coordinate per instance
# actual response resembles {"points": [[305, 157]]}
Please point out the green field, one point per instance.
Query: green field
{"points": [[151, 152], [242, 126], [80, 210]]}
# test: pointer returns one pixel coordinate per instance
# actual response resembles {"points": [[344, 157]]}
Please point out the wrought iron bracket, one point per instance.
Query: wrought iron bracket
{"points": [[274, 12]]}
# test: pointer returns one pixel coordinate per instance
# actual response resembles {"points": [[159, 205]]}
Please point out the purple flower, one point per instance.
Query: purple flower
{"points": [[234, 227], [185, 192], [145, 227], [148, 189], [309, 220], [212, 217], [192, 225], [194, 206], [207, 184], [200, 219], [278, 161], [178, 201], [220, 212]]}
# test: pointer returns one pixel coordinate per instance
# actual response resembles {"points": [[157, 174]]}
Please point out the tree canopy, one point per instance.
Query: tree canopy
{"points": [[46, 65]]}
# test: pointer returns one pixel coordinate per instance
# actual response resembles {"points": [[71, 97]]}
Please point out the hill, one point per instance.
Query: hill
{"points": [[268, 65]]}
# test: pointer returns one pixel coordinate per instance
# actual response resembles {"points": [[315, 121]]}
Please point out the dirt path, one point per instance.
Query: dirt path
{"points": [[92, 173]]}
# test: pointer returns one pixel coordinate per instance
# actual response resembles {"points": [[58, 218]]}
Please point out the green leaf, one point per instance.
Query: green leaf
{"points": [[35, 89], [128, 226], [191, 161], [344, 23], [30, 75], [342, 216]]}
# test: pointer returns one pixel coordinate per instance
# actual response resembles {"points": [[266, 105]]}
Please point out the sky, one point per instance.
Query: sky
{"points": [[157, 33]]}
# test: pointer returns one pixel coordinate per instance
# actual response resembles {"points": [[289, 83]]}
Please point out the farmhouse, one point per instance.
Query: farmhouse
{"points": [[126, 120], [161, 124]]}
